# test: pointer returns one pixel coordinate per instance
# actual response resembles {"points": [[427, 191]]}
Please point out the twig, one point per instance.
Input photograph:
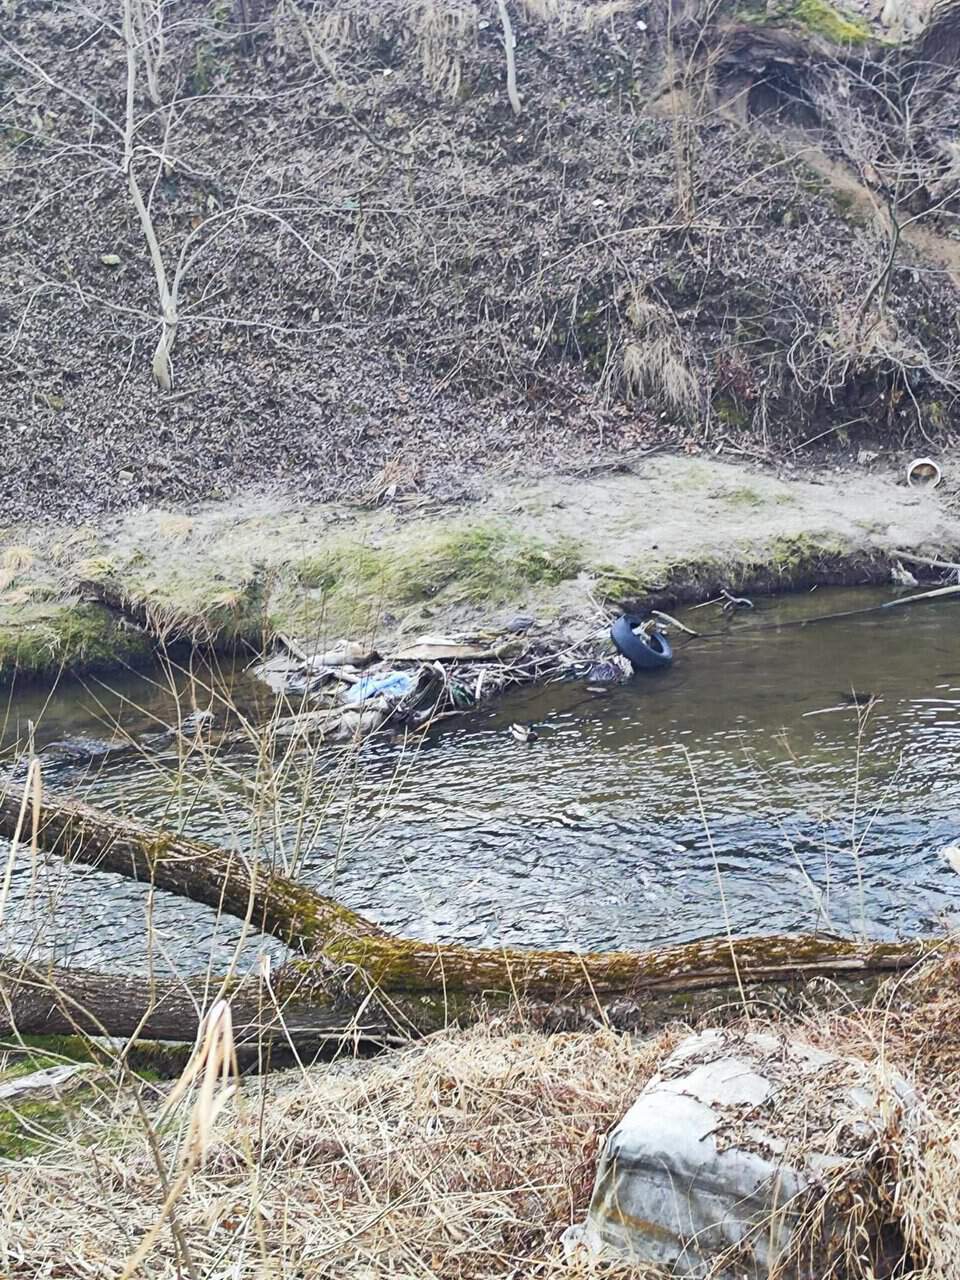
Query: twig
{"points": [[938, 593], [666, 617], [735, 602], [926, 561], [508, 46]]}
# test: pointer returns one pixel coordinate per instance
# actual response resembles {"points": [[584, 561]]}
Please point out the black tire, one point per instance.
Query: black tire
{"points": [[642, 655]]}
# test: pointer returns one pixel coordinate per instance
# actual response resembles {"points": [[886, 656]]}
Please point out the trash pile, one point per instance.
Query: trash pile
{"points": [[350, 691], [751, 1155]]}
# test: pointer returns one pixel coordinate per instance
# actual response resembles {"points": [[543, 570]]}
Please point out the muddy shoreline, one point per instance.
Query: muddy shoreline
{"points": [[230, 577]]}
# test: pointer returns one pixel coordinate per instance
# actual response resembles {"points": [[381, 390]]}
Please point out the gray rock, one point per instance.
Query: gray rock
{"points": [[737, 1140], [522, 622]]}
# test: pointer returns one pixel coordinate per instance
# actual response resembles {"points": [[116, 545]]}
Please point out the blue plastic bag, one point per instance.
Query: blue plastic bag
{"points": [[395, 684]]}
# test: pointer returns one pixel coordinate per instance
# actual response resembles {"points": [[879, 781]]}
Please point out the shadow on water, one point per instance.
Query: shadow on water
{"points": [[751, 759]]}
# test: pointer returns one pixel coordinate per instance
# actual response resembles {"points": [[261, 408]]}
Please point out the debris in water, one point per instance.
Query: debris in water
{"points": [[604, 673], [443, 649], [345, 654], [950, 854], [523, 733], [923, 473], [392, 684], [902, 577], [735, 602]]}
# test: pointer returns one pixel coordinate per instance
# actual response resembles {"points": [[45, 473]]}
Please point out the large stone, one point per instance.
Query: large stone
{"points": [[747, 1155]]}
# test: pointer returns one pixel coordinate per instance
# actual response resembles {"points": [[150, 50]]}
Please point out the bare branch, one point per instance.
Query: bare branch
{"points": [[509, 48]]}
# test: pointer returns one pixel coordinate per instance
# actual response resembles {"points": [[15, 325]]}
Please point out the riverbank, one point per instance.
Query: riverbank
{"points": [[559, 549], [467, 1155]]}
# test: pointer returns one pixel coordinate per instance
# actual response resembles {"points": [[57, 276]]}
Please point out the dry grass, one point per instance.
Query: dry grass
{"points": [[15, 561], [657, 361], [466, 1156]]}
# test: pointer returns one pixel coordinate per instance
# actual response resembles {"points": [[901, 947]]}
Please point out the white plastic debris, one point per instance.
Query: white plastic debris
{"points": [[924, 472], [902, 577], [738, 1138], [47, 1080]]}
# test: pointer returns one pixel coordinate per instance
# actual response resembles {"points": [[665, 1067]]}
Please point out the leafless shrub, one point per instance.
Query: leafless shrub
{"points": [[440, 33], [575, 14], [893, 123]]}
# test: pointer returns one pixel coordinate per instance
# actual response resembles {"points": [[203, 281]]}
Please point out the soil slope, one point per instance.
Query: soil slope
{"points": [[384, 280]]}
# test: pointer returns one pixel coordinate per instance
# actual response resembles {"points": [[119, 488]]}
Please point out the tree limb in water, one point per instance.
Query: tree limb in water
{"points": [[225, 879], [423, 984]]}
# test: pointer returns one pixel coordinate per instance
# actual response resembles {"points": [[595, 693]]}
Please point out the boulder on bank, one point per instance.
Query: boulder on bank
{"points": [[749, 1155]]}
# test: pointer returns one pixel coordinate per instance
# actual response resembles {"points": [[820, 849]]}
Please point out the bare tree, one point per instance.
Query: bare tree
{"points": [[142, 31]]}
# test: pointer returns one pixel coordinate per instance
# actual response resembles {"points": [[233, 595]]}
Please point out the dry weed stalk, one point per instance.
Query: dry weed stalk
{"points": [[214, 1062], [656, 359]]}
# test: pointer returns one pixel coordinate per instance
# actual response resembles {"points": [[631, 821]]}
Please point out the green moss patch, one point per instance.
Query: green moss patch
{"points": [[29, 1128], [479, 564], [29, 1125], [825, 20], [42, 639], [743, 496], [833, 24], [348, 584], [189, 598]]}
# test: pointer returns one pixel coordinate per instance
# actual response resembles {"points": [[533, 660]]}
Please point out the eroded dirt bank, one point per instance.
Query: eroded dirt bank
{"points": [[379, 274], [559, 549]]}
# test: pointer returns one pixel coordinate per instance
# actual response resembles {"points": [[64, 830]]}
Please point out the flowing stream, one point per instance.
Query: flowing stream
{"points": [[747, 787]]}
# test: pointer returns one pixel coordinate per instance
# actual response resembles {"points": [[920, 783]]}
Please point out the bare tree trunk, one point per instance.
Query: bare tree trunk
{"points": [[220, 878], [423, 981], [162, 359], [511, 56]]}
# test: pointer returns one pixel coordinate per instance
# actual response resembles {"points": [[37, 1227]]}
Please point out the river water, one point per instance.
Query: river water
{"points": [[749, 786]]}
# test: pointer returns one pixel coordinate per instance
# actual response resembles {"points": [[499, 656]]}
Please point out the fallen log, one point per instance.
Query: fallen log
{"points": [[225, 879], [38, 999], [307, 1008], [401, 968]]}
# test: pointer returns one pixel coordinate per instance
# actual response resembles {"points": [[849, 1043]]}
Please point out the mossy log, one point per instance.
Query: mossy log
{"points": [[225, 879], [354, 965], [38, 999]]}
